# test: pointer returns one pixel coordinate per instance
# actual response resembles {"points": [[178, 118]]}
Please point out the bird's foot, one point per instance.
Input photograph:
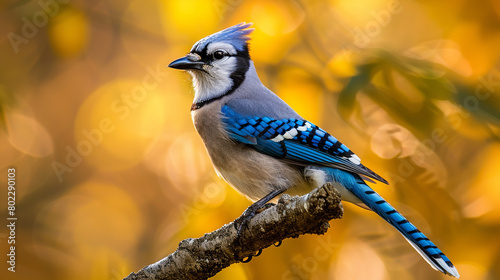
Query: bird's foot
{"points": [[253, 209], [245, 218], [249, 213]]}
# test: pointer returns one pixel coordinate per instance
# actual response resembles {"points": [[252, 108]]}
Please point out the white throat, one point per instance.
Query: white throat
{"points": [[212, 84]]}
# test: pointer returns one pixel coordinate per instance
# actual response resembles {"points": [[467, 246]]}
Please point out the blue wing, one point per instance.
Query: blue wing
{"points": [[294, 140]]}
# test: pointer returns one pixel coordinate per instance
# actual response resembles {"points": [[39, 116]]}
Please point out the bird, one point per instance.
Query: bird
{"points": [[261, 147]]}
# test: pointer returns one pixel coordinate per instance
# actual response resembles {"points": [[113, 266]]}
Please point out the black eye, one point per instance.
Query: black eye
{"points": [[219, 54]]}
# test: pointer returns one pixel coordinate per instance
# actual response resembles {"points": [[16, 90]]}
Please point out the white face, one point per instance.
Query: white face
{"points": [[214, 79]]}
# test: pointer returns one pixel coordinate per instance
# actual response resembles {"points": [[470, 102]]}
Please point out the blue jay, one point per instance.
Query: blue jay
{"points": [[263, 148]]}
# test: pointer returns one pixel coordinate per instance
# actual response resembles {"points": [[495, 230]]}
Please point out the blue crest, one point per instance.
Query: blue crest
{"points": [[235, 35]]}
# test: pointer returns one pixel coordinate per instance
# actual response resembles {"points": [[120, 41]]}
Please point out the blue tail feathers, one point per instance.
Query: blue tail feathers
{"points": [[427, 249]]}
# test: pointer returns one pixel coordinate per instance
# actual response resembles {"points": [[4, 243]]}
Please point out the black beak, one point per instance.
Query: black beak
{"points": [[186, 63]]}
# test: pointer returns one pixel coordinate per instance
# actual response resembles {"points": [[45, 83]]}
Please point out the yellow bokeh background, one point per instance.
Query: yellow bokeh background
{"points": [[111, 175]]}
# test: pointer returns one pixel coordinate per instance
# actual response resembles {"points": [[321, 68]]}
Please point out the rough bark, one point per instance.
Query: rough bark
{"points": [[204, 257]]}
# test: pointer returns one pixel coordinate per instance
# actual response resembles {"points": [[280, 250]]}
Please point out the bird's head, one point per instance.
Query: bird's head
{"points": [[218, 63]]}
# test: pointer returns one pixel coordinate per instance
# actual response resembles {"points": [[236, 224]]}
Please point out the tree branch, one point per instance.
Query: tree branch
{"points": [[204, 257]]}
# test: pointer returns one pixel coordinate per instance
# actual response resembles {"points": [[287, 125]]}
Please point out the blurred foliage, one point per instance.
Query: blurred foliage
{"points": [[111, 174]]}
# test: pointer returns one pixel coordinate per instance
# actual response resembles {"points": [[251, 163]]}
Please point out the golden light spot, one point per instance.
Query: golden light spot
{"points": [[274, 23], [276, 17], [341, 64], [470, 36], [68, 32], [359, 12], [117, 123], [94, 225], [193, 19], [297, 88], [483, 198]]}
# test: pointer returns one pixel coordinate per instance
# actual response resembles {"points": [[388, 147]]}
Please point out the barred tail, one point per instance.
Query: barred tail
{"points": [[417, 239]]}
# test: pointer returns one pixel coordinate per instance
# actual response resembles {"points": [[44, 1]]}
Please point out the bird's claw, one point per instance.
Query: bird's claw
{"points": [[249, 214], [257, 207], [246, 217], [249, 258]]}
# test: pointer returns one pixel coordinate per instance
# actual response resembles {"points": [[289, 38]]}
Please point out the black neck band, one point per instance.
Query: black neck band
{"points": [[198, 105], [243, 62]]}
